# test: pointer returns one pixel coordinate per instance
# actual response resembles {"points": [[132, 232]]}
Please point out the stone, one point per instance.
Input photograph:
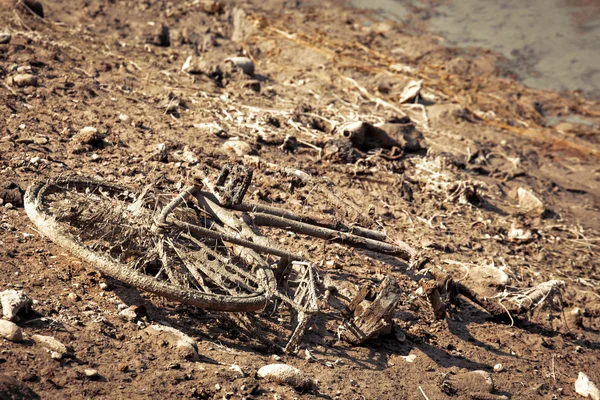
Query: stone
{"points": [[586, 388], [51, 344], [22, 80], [498, 368], [237, 147], [14, 301], [530, 203], [185, 346], [287, 374], [91, 373], [10, 331], [487, 280], [5, 38]]}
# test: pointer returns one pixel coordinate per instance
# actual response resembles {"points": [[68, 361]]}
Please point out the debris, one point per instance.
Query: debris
{"points": [[365, 136], [410, 358], [91, 373], [195, 66], [430, 289], [376, 317], [243, 63], [237, 147], [518, 234], [186, 346], [13, 301], [237, 369], [586, 388], [284, 373], [410, 91], [10, 331], [51, 344], [22, 80], [529, 203], [5, 38]]}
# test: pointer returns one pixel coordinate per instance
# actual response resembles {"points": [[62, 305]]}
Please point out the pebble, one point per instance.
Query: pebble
{"points": [[51, 344], [14, 301], [22, 80], [287, 374], [186, 346], [498, 368], [124, 118], [10, 331], [529, 203], [56, 356], [91, 373], [103, 285], [487, 280], [586, 388], [238, 147], [128, 314], [73, 296], [5, 38], [243, 63]]}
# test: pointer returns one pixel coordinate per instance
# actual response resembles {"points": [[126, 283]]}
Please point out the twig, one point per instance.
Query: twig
{"points": [[423, 393]]}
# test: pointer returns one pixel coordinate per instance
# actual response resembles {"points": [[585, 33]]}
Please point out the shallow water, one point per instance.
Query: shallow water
{"points": [[551, 44]]}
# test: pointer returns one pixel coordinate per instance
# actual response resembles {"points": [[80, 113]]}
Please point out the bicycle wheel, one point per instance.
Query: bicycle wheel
{"points": [[112, 227]]}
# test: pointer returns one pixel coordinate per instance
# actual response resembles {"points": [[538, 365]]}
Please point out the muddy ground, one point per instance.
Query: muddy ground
{"points": [[453, 198]]}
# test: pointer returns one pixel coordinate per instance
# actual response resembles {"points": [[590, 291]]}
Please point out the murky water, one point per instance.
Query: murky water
{"points": [[551, 44]]}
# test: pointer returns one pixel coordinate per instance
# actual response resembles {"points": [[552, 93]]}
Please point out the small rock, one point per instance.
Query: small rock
{"points": [[56, 356], [103, 285], [410, 358], [237, 369], [238, 147], [487, 280], [186, 346], [13, 301], [5, 38], [474, 382], [22, 80], [51, 344], [122, 367], [410, 91], [498, 368], [399, 335], [10, 331], [243, 63], [128, 314], [91, 373], [529, 203], [73, 296], [284, 373], [124, 118], [276, 357], [586, 388]]}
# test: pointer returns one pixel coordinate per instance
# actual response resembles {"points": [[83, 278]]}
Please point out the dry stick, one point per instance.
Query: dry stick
{"points": [[278, 212], [402, 250]]}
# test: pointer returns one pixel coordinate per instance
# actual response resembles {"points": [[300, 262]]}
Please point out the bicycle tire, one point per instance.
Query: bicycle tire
{"points": [[50, 223]]}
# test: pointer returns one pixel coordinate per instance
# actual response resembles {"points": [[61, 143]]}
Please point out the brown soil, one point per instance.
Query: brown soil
{"points": [[109, 65]]}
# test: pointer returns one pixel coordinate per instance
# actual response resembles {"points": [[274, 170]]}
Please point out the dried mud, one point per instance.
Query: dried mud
{"points": [[116, 67]]}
